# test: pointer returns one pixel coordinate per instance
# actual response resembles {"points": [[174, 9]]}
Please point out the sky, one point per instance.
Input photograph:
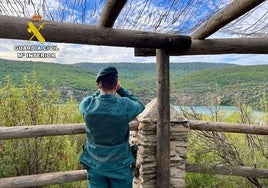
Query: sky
{"points": [[75, 53]]}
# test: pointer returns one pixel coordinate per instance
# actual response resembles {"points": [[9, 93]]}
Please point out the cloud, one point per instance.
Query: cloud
{"points": [[73, 53], [6, 49]]}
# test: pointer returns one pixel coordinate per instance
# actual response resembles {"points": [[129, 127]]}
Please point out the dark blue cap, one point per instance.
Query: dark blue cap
{"points": [[107, 71]]}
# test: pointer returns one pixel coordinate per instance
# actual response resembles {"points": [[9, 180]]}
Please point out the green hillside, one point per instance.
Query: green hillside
{"points": [[191, 83], [145, 71], [79, 79], [248, 83], [71, 81], [141, 77], [64, 75]]}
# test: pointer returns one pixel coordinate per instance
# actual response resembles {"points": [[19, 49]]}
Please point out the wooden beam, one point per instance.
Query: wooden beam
{"points": [[216, 46], [79, 175], [110, 12], [231, 12], [243, 171], [70, 129], [16, 28], [228, 127], [40, 131], [163, 120], [48, 130], [43, 179]]}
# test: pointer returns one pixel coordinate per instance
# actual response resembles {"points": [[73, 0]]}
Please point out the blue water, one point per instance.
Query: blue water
{"points": [[206, 110]]}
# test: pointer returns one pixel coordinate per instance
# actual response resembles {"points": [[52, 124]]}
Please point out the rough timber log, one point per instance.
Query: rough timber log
{"points": [[244, 46], [163, 120], [216, 46], [228, 127], [43, 179], [69, 129], [47, 130], [16, 28], [242, 171], [78, 175], [110, 12], [234, 10]]}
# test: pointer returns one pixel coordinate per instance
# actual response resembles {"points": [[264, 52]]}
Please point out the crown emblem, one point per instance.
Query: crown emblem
{"points": [[36, 17]]}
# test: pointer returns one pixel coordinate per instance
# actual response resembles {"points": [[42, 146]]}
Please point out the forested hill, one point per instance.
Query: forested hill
{"points": [[190, 82], [82, 76], [135, 70], [142, 76], [64, 75], [248, 84]]}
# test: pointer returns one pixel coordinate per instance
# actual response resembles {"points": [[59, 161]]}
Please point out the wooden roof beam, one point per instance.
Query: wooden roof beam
{"points": [[110, 12], [219, 46], [231, 12], [16, 28], [216, 46]]}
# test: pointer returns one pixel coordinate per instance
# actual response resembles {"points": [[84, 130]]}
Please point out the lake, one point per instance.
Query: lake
{"points": [[227, 109]]}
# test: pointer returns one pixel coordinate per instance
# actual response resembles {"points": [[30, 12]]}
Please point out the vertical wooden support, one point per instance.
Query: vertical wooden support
{"points": [[163, 120]]}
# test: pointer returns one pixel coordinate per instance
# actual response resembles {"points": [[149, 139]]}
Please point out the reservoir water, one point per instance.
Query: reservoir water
{"points": [[207, 110]]}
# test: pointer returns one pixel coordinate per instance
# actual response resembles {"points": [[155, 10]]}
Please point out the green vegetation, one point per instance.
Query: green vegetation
{"points": [[78, 80], [236, 83], [31, 104], [67, 79], [190, 82], [38, 93], [228, 149]]}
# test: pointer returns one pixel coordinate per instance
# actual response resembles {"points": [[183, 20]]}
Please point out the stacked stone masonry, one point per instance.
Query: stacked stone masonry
{"points": [[145, 138]]}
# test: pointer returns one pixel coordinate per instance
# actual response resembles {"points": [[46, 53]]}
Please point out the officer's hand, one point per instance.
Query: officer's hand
{"points": [[118, 85]]}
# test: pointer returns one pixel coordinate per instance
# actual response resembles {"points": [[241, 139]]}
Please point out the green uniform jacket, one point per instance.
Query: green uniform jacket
{"points": [[107, 120]]}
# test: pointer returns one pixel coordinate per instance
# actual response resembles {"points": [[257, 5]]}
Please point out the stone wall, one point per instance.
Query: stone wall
{"points": [[145, 138]]}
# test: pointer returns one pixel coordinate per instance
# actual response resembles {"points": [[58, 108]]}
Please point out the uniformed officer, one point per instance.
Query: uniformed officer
{"points": [[107, 154]]}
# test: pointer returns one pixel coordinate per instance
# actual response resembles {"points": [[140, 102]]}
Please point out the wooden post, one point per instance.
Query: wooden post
{"points": [[163, 120]]}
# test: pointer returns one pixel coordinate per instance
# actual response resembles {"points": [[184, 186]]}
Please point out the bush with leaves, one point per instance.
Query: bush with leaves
{"points": [[229, 149], [35, 105]]}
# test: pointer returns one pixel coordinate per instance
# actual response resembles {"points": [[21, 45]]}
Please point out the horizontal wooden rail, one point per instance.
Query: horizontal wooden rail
{"points": [[16, 28], [256, 45], [70, 129], [47, 130], [242, 171], [79, 175], [228, 127], [40, 131], [43, 179]]}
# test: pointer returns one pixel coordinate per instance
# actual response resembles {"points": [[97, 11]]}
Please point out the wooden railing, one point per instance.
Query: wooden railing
{"points": [[18, 132]]}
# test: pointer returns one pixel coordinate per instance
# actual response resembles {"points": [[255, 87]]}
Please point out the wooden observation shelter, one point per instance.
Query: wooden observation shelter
{"points": [[147, 43]]}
